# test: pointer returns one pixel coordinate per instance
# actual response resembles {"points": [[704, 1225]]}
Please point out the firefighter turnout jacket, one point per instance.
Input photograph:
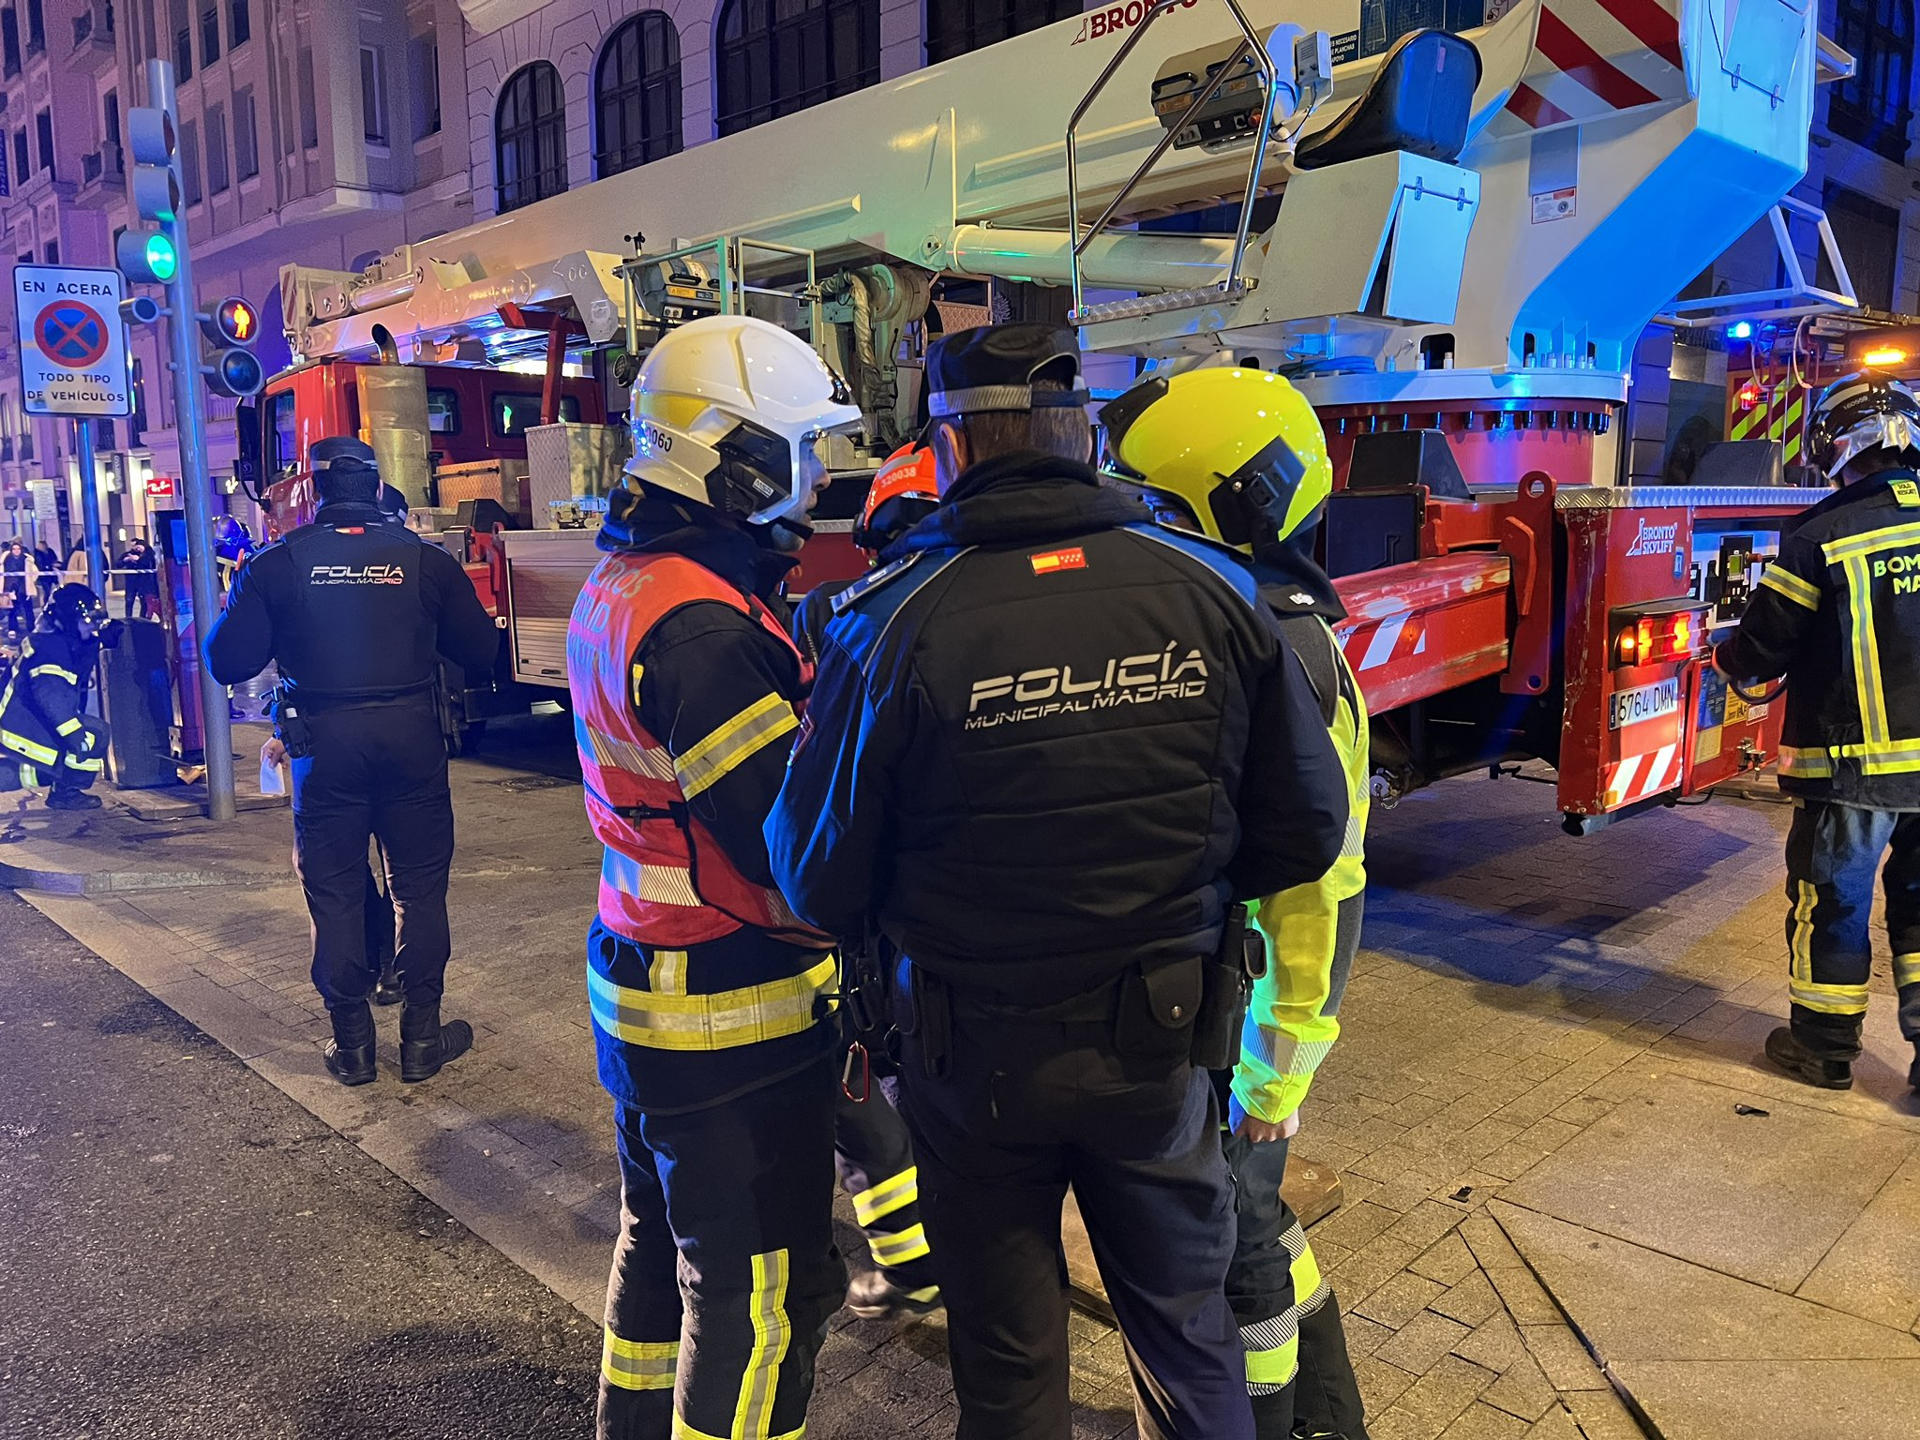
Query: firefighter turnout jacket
{"points": [[351, 608], [1838, 614], [1050, 742], [43, 721], [1311, 931], [686, 689]]}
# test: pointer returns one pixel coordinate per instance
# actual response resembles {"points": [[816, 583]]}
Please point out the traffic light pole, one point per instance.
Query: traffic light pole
{"points": [[190, 425], [90, 508]]}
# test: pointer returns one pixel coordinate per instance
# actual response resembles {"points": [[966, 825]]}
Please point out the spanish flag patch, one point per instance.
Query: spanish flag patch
{"points": [[1052, 560]]}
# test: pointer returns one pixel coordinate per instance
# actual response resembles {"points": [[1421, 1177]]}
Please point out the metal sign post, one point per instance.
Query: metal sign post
{"points": [[73, 362]]}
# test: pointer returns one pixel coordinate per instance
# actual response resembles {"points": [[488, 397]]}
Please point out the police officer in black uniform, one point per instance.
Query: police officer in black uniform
{"points": [[1046, 751], [354, 611], [1838, 614]]}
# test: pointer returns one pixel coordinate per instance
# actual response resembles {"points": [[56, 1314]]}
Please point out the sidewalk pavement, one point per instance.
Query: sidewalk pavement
{"points": [[1531, 1101]]}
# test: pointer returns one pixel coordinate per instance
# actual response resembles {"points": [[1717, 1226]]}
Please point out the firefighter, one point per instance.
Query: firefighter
{"points": [[1192, 440], [710, 999], [1050, 745], [871, 1148], [46, 735], [354, 613], [1838, 614]]}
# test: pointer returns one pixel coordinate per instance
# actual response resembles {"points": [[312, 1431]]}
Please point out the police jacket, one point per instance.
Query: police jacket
{"points": [[44, 699], [701, 981], [1838, 614], [350, 608], [1311, 931], [1050, 742]]}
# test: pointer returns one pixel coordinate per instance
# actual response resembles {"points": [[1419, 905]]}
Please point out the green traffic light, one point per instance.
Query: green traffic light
{"points": [[161, 257]]}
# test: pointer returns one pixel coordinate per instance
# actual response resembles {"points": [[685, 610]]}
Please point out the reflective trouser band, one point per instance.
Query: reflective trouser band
{"points": [[718, 1021], [1829, 999], [639, 1364], [683, 1431], [20, 744], [667, 972], [1808, 764], [1270, 1367], [1800, 931], [1273, 1346], [772, 1333], [1906, 971], [759, 725], [93, 764], [898, 1249], [1786, 583], [896, 1192], [29, 776], [67, 726]]}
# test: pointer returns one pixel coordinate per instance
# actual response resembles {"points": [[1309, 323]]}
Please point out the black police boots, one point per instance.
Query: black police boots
{"points": [[1786, 1051], [59, 799], [426, 1044], [349, 1055]]}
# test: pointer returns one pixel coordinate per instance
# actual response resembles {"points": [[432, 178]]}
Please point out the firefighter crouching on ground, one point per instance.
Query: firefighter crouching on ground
{"points": [[354, 612], [1838, 614], [46, 735], [871, 1148], [1239, 456], [1048, 748], [710, 999]]}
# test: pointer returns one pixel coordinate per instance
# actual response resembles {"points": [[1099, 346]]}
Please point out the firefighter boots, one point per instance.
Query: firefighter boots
{"points": [[1786, 1051], [426, 1044], [63, 799], [349, 1055], [873, 1296]]}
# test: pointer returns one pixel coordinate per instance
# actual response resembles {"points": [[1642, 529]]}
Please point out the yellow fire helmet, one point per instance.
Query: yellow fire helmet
{"points": [[1241, 449]]}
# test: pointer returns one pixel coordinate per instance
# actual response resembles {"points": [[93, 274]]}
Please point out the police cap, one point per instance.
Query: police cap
{"points": [[341, 454], [993, 367]]}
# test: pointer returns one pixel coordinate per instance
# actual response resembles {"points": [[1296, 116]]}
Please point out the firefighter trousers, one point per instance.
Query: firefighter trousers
{"points": [[1298, 1370], [1834, 853], [874, 1156], [375, 771], [725, 1273], [1023, 1110]]}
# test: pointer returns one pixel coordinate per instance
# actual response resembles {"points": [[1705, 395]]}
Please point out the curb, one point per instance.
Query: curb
{"points": [[104, 883]]}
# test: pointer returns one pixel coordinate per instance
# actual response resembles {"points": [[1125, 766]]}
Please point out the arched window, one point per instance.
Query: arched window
{"points": [[636, 94], [530, 137], [779, 56], [955, 27]]}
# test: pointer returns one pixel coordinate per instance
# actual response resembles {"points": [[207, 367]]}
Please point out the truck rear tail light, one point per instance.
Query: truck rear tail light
{"points": [[1649, 637]]}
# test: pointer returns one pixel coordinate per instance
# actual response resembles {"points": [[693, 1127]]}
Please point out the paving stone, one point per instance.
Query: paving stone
{"points": [[1601, 1415], [1523, 1296], [1556, 1424], [1470, 1301], [1494, 1344], [1635, 1303], [1792, 1400], [1380, 1383], [1558, 1351], [1481, 1421], [1447, 1260], [1355, 1225], [1424, 1224], [1872, 1270], [1521, 1390], [1422, 1341], [1398, 1300], [1445, 1391], [1369, 1269], [1489, 1243]]}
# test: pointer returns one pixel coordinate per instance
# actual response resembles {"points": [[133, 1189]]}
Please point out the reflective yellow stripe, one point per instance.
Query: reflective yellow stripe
{"points": [[1829, 999], [639, 1364], [1787, 583], [667, 975], [1891, 757], [710, 1022], [45, 754], [772, 1332], [1808, 764], [1274, 1367], [1800, 928], [1906, 970], [1838, 552], [683, 1431], [891, 1250], [34, 671], [68, 726], [93, 766], [29, 777], [761, 723], [1866, 653], [891, 1194]]}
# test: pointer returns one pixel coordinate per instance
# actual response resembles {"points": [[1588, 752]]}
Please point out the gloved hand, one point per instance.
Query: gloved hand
{"points": [[110, 634]]}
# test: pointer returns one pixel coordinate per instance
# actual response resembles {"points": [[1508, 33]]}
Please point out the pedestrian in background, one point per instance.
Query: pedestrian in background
{"points": [[16, 582], [356, 613], [142, 578], [47, 571]]}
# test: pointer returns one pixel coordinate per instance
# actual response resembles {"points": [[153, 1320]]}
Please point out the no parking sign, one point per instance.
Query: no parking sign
{"points": [[73, 350]]}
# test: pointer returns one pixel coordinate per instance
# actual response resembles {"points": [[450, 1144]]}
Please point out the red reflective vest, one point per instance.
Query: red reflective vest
{"points": [[664, 880]]}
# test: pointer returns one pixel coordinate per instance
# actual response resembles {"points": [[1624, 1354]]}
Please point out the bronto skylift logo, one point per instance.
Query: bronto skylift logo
{"points": [[1116, 18], [1654, 539]]}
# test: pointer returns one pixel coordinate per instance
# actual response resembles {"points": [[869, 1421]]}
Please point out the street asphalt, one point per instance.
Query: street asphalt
{"points": [[185, 1253]]}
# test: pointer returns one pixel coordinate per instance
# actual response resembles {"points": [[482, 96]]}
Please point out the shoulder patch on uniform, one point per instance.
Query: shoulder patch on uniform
{"points": [[874, 579], [1047, 562]]}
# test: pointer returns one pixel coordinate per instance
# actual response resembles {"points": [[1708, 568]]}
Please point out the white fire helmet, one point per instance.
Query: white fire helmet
{"points": [[725, 412]]}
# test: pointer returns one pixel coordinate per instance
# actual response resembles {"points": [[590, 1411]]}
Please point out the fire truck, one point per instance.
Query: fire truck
{"points": [[1451, 247]]}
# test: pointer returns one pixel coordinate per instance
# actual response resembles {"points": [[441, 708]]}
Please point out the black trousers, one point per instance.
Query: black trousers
{"points": [[874, 1155], [725, 1273], [1298, 1370], [375, 771], [1834, 854], [1026, 1109]]}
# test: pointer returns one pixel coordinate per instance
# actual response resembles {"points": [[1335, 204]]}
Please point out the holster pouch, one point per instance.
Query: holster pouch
{"points": [[1158, 1005], [932, 1007], [290, 726], [1223, 1003]]}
